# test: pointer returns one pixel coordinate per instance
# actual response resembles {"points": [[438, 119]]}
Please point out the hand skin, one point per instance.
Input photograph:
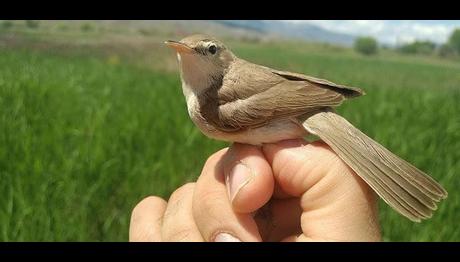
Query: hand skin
{"points": [[289, 191]]}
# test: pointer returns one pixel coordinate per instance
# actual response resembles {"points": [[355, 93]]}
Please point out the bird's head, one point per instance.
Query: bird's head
{"points": [[203, 60]]}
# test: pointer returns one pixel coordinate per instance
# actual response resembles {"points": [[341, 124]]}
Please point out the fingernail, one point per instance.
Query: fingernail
{"points": [[239, 176], [225, 237]]}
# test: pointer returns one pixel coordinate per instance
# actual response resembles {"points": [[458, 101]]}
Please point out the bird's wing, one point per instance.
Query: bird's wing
{"points": [[286, 99], [347, 91]]}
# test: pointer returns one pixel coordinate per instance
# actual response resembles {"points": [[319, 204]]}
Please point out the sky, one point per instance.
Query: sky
{"points": [[392, 32]]}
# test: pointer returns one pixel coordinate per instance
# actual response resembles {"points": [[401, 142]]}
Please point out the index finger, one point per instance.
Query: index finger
{"points": [[337, 204]]}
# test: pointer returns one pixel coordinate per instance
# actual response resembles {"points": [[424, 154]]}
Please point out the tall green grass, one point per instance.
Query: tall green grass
{"points": [[83, 140]]}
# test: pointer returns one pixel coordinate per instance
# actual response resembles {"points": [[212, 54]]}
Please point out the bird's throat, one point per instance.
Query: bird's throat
{"points": [[196, 74]]}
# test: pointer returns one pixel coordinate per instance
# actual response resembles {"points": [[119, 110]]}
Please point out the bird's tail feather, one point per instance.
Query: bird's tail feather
{"points": [[405, 188]]}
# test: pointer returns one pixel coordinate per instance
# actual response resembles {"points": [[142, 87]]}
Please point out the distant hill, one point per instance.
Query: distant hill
{"points": [[261, 29], [242, 29], [303, 31]]}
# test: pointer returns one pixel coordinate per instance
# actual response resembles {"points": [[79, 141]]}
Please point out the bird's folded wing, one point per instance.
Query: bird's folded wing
{"points": [[347, 91], [286, 99]]}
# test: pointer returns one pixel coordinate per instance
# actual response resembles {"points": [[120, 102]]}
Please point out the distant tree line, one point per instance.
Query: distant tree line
{"points": [[369, 46], [32, 24], [35, 24], [418, 47]]}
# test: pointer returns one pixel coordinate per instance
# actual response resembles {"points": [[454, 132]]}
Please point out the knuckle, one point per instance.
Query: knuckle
{"points": [[216, 156], [208, 203], [322, 145], [188, 186], [181, 192], [178, 200], [329, 154], [146, 203]]}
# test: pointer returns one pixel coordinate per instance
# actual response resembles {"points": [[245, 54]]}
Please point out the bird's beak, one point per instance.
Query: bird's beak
{"points": [[179, 47]]}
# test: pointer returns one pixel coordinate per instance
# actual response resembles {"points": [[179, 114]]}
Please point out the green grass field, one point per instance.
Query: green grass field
{"points": [[84, 137]]}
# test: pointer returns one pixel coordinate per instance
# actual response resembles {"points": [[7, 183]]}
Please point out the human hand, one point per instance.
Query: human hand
{"points": [[288, 191]]}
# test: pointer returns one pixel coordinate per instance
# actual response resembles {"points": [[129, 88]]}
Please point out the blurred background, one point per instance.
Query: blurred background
{"points": [[93, 119]]}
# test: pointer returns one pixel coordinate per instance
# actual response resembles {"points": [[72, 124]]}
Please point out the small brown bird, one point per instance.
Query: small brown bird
{"points": [[234, 100]]}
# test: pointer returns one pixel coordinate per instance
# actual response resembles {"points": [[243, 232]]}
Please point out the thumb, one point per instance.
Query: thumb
{"points": [[248, 177], [336, 203]]}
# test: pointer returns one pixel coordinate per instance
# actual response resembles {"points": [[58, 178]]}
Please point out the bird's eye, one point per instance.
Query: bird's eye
{"points": [[212, 49]]}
